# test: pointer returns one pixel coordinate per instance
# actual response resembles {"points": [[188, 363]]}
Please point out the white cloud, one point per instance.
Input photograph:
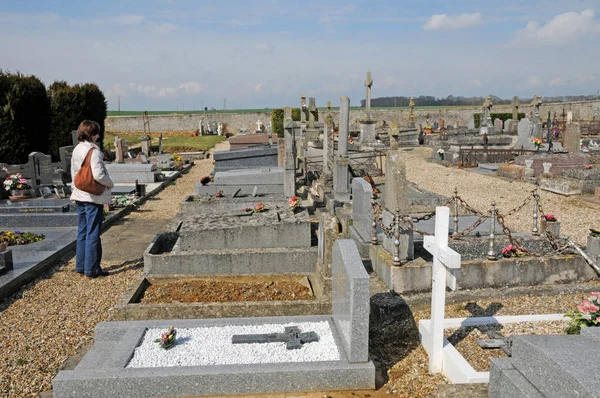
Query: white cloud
{"points": [[128, 19], [117, 90], [153, 92], [535, 81], [191, 87], [258, 88], [449, 22], [474, 83], [557, 81], [562, 29], [266, 48]]}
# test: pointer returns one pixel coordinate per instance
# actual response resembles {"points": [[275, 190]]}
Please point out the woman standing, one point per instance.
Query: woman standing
{"points": [[90, 207]]}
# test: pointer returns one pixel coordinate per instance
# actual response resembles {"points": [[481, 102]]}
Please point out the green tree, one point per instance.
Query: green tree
{"points": [[24, 117]]}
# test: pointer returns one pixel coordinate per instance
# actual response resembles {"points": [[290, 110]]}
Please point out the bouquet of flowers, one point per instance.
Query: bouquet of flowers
{"points": [[537, 142], [167, 339], [258, 208], [219, 194], [205, 180], [513, 251], [15, 181], [587, 314], [294, 202], [549, 217]]}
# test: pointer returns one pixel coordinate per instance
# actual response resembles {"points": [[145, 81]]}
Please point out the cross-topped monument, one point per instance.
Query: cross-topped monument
{"points": [[515, 105], [444, 259], [368, 84]]}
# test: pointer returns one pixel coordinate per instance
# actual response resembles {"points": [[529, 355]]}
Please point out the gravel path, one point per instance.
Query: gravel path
{"points": [[576, 216]]}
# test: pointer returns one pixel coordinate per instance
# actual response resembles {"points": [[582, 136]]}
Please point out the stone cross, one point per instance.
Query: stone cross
{"points": [[444, 259], [368, 84], [515, 112], [312, 109], [258, 125], [292, 337]]}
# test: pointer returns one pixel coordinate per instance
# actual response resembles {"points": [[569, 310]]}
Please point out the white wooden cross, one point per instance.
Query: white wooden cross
{"points": [[444, 259]]}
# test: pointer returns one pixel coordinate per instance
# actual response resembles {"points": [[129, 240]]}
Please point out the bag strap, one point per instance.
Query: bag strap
{"points": [[87, 158]]}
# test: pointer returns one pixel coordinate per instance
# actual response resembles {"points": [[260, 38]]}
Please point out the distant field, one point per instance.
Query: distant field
{"points": [[138, 113]]}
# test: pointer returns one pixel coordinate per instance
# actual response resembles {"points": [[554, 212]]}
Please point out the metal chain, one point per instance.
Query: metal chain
{"points": [[469, 208], [517, 209], [506, 231], [470, 229]]}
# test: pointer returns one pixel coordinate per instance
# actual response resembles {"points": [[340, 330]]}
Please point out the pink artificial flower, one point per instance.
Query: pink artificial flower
{"points": [[22, 181], [594, 308], [595, 295], [583, 308], [586, 303]]}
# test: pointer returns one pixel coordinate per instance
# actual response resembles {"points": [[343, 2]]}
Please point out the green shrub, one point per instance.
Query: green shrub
{"points": [[277, 119], [71, 105], [24, 119], [502, 116]]}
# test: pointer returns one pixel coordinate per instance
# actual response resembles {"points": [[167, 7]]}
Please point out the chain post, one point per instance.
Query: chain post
{"points": [[535, 231], [455, 219], [396, 259], [491, 255], [374, 223]]}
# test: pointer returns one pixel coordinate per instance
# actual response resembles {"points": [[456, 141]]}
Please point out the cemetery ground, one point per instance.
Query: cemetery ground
{"points": [[49, 323]]}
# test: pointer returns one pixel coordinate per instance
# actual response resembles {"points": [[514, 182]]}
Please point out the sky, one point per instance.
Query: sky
{"points": [[245, 54]]}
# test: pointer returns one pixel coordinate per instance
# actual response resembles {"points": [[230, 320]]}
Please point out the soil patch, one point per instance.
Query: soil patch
{"points": [[219, 290]]}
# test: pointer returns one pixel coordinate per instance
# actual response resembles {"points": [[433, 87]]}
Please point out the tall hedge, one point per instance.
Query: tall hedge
{"points": [[69, 105], [24, 117], [277, 119], [502, 116]]}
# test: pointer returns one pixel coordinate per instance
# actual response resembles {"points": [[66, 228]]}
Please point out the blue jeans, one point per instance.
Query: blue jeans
{"points": [[89, 248]]}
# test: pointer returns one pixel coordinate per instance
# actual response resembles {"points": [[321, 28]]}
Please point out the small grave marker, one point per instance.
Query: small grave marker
{"points": [[444, 258], [292, 337]]}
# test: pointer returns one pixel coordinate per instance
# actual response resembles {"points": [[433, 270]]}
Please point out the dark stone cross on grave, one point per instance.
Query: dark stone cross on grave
{"points": [[291, 336]]}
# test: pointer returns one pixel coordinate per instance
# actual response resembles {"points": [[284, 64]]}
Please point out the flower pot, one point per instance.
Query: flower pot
{"points": [[440, 156], [3, 246], [17, 194], [553, 227]]}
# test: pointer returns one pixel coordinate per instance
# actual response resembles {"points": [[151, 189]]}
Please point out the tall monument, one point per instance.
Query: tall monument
{"points": [[411, 116], [367, 126]]}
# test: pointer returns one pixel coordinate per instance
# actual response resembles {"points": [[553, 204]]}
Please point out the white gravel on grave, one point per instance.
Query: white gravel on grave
{"points": [[204, 346]]}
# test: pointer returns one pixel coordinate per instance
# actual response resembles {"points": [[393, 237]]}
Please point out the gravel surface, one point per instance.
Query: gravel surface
{"points": [[576, 216], [212, 346]]}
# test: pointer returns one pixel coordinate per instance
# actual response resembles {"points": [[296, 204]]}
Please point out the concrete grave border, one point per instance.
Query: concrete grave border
{"points": [[455, 366]]}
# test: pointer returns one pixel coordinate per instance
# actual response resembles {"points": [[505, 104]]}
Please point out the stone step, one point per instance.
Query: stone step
{"points": [[232, 261], [507, 382], [556, 365]]}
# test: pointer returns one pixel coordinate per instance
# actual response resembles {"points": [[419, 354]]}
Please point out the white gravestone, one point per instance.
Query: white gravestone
{"points": [[444, 259]]}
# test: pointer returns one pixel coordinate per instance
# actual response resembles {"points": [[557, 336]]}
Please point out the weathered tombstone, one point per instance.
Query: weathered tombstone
{"points": [[529, 172], [220, 129], [362, 215], [525, 134], [507, 123], [312, 133], [289, 161], [497, 126], [471, 123], [547, 166], [367, 125], [571, 138], [396, 199], [42, 169], [74, 137], [569, 116], [118, 150], [444, 259], [341, 174], [160, 144], [368, 85], [145, 144]]}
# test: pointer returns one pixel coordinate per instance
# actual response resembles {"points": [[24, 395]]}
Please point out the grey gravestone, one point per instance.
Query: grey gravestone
{"points": [[254, 191], [362, 208], [525, 134], [507, 125], [471, 124], [74, 137], [350, 300], [572, 137], [497, 126], [396, 187]]}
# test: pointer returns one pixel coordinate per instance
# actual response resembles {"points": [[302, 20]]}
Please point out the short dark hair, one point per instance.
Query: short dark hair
{"points": [[87, 129]]}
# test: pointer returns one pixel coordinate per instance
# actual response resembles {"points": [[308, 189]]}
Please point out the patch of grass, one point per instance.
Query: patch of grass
{"points": [[190, 144], [172, 144]]}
